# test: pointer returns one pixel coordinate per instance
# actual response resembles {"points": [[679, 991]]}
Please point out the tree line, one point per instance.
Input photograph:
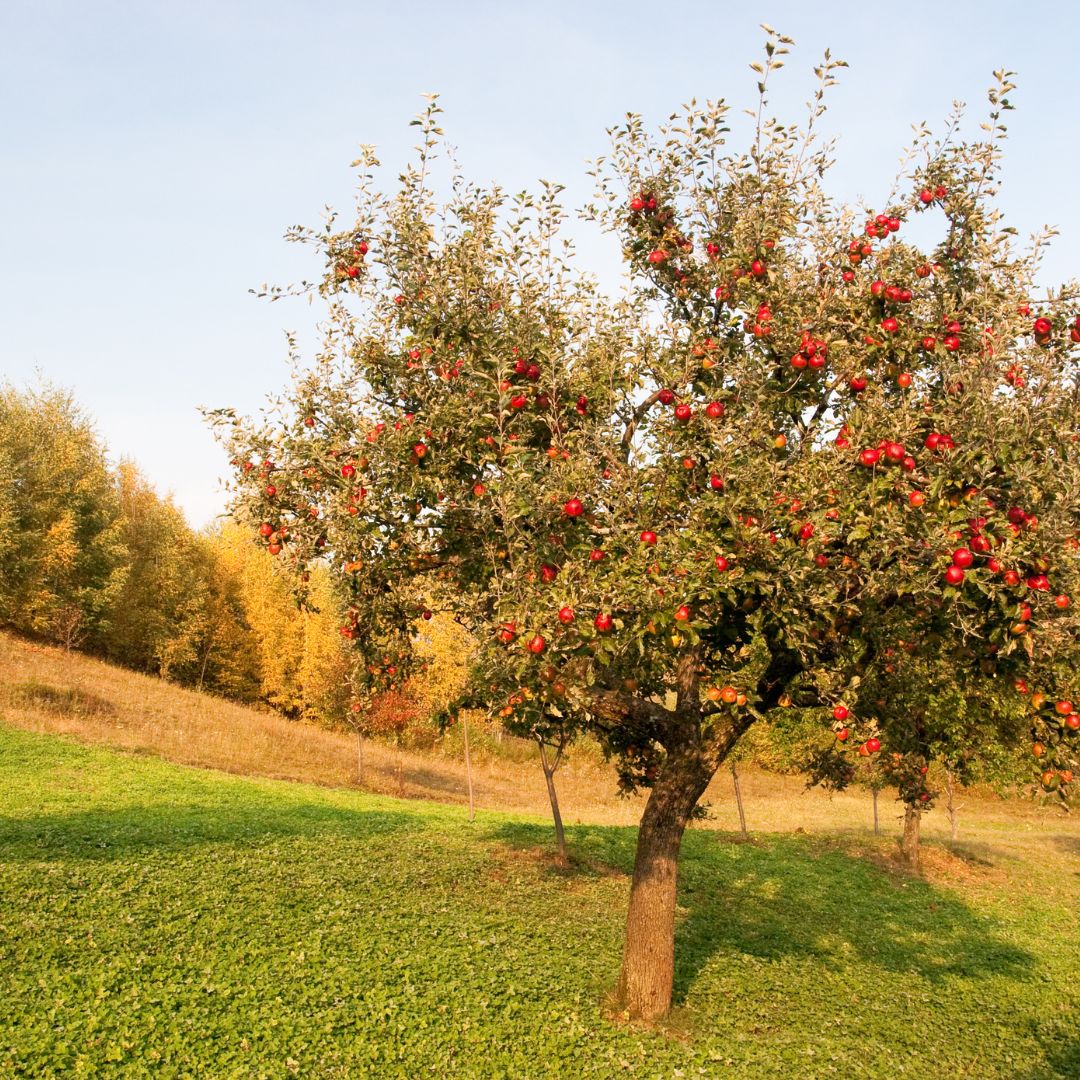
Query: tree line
{"points": [[94, 558]]}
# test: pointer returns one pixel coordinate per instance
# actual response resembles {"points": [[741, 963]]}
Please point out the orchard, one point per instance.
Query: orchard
{"points": [[800, 462]]}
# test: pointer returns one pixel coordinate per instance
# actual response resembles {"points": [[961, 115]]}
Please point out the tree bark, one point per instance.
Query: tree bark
{"points": [[910, 845], [873, 791], [359, 756], [738, 798], [648, 968], [549, 777], [468, 767]]}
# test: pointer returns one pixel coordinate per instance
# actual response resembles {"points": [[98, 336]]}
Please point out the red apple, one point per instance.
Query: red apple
{"points": [[954, 575], [963, 558]]}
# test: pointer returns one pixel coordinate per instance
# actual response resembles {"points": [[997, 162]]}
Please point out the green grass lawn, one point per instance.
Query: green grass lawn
{"points": [[162, 921]]}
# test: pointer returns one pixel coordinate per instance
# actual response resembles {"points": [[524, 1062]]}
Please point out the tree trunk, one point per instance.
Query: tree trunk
{"points": [[876, 828], [468, 767], [738, 798], [359, 756], [910, 846], [648, 968], [950, 803], [205, 661], [549, 777]]}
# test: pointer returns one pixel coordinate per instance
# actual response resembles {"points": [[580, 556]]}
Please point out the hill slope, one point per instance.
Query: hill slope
{"points": [[164, 921], [43, 688]]}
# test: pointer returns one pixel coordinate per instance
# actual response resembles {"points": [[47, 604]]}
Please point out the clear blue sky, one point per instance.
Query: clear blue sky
{"points": [[151, 155]]}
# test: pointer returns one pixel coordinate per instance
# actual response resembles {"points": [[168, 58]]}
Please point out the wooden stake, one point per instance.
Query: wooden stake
{"points": [[468, 767]]}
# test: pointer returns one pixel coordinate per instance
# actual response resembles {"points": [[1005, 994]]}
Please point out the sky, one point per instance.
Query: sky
{"points": [[153, 154]]}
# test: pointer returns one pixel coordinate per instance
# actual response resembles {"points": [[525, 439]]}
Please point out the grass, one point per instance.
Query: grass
{"points": [[164, 921], [45, 689]]}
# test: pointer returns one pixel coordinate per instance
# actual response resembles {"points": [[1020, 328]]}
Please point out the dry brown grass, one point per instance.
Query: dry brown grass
{"points": [[45, 689]]}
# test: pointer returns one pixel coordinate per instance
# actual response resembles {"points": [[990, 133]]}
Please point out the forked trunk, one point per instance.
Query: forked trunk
{"points": [[648, 969], [549, 777], [910, 845]]}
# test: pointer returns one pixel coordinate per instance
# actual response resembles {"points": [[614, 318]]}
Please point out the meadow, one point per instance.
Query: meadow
{"points": [[158, 919]]}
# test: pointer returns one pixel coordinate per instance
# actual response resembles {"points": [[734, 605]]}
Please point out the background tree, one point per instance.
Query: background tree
{"points": [[741, 477], [158, 617], [61, 548]]}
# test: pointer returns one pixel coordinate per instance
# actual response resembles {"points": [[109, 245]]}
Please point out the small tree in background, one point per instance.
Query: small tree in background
{"points": [[61, 550], [728, 492]]}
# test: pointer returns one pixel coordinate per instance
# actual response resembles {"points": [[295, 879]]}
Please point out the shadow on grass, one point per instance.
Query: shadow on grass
{"points": [[61, 700], [1061, 1060], [782, 896], [1069, 844], [116, 834]]}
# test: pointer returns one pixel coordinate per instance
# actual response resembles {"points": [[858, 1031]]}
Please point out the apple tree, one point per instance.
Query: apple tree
{"points": [[795, 437]]}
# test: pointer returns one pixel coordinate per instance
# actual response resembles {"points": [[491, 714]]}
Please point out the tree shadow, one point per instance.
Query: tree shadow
{"points": [[108, 834], [595, 850], [1068, 843], [794, 896], [784, 896], [1061, 1060]]}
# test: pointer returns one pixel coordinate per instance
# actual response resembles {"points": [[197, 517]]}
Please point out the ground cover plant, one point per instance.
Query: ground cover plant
{"points": [[163, 921]]}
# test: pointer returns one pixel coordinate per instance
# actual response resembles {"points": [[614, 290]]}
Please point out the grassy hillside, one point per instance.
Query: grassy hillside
{"points": [[43, 688], [164, 921]]}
